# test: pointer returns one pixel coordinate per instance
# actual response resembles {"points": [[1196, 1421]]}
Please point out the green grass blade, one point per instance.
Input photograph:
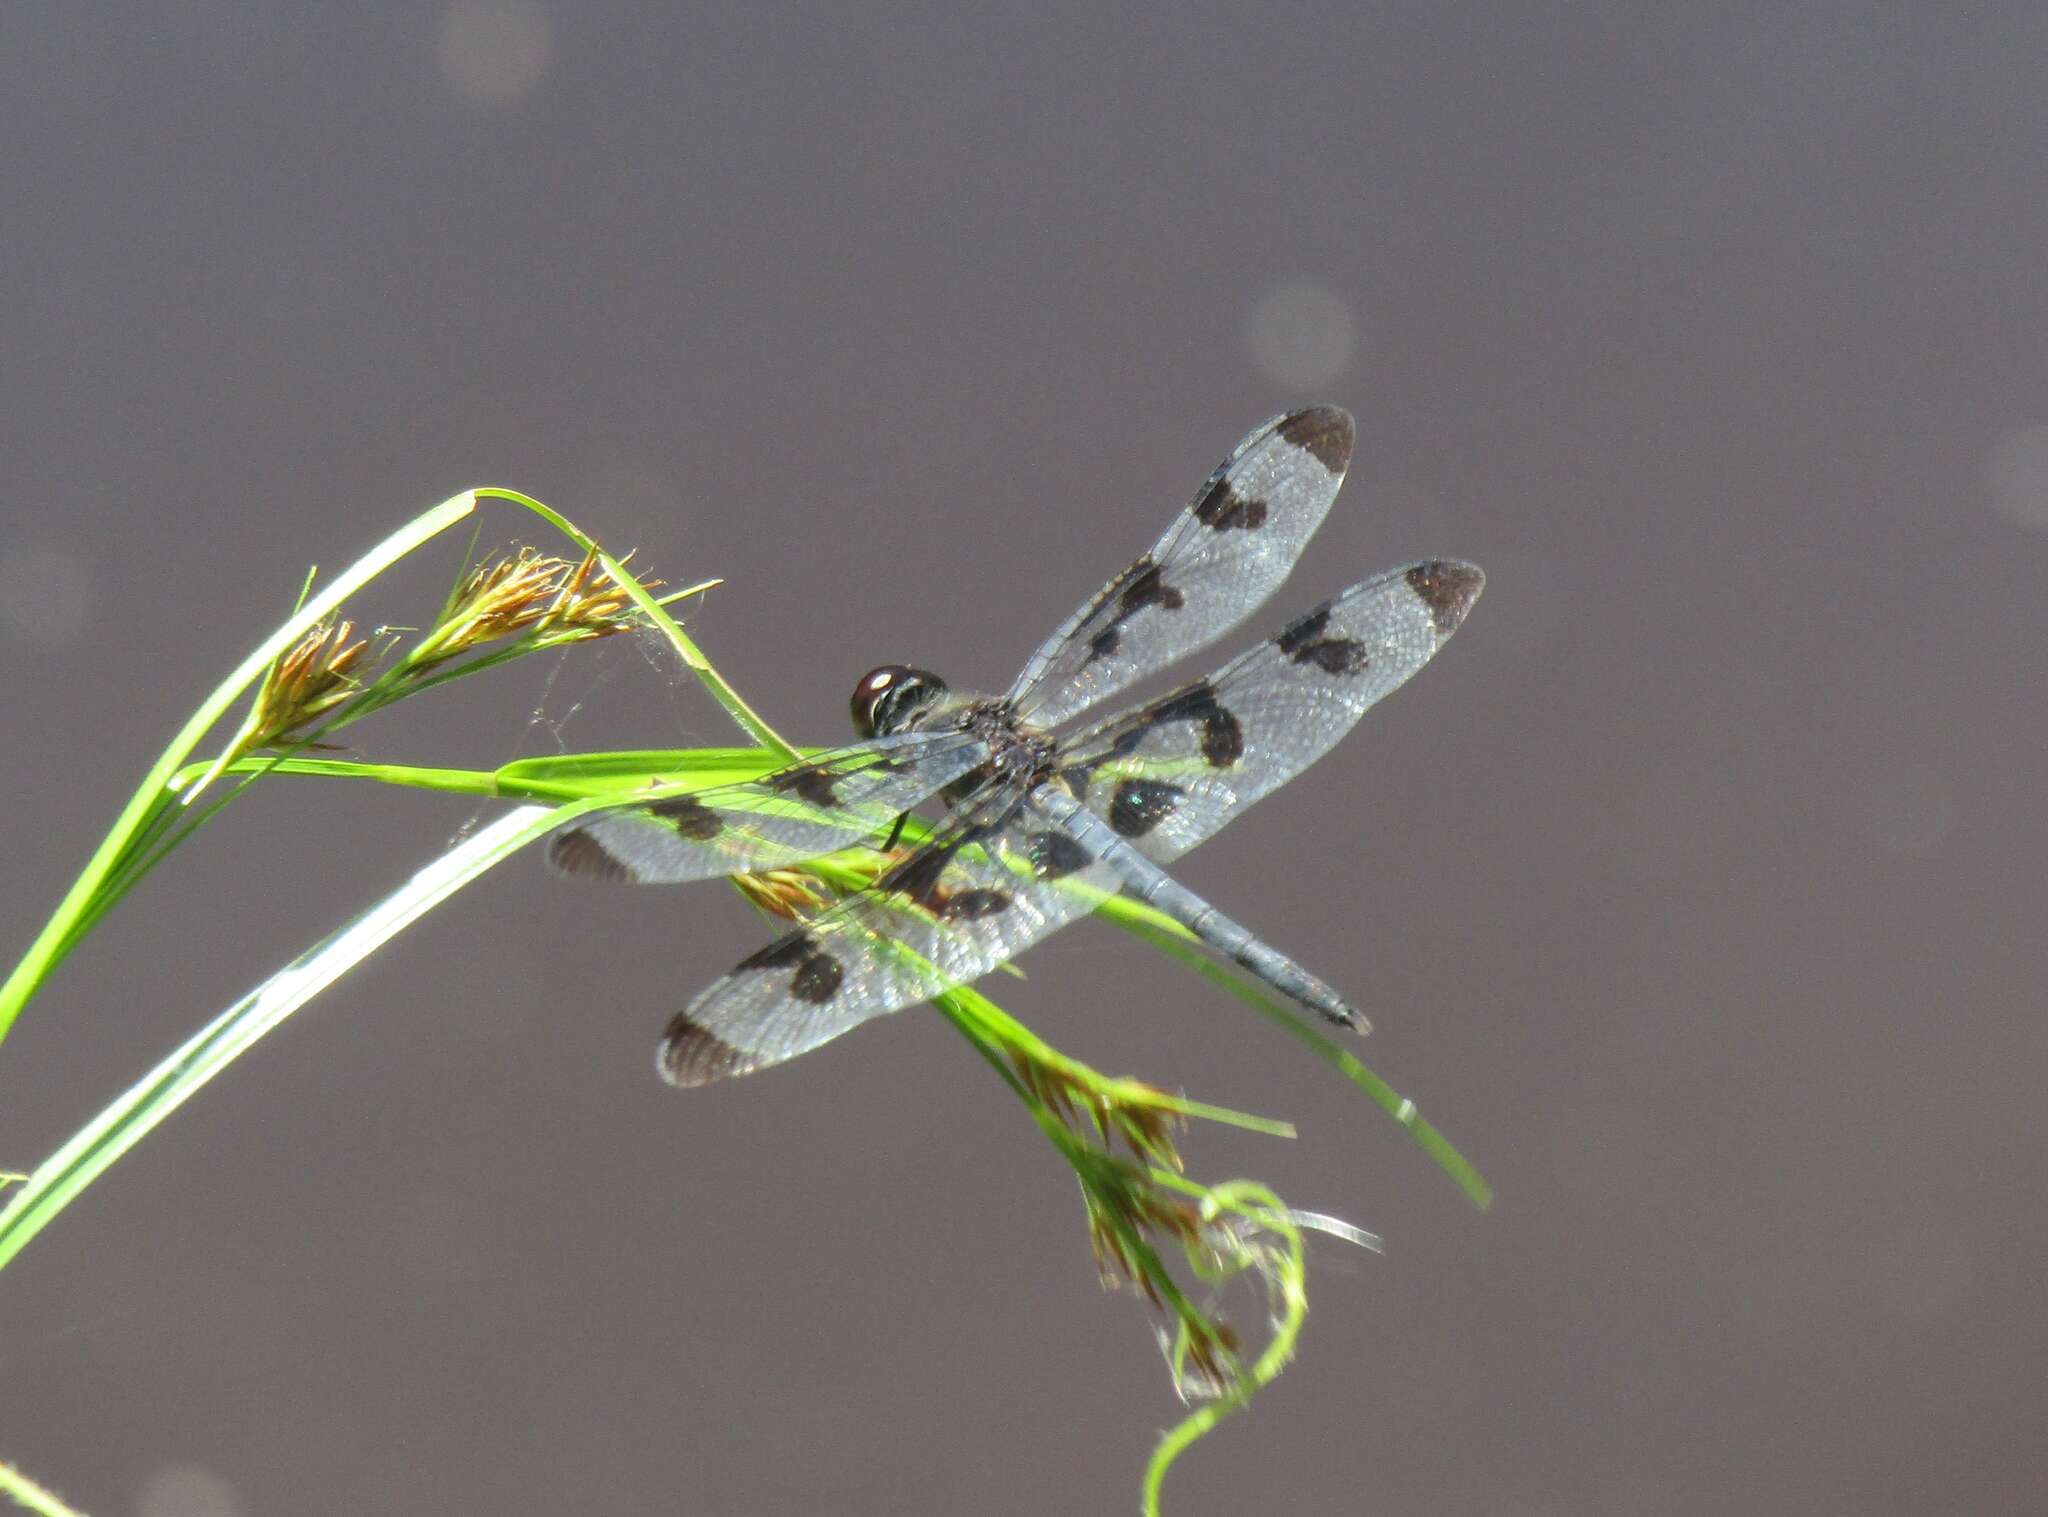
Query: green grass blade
{"points": [[552, 779], [58, 1180], [58, 935], [633, 769], [1169, 937], [992, 1029], [31, 1497]]}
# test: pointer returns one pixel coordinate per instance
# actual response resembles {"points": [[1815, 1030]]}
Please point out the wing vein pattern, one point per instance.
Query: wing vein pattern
{"points": [[995, 878], [832, 800], [1216, 564], [1170, 773]]}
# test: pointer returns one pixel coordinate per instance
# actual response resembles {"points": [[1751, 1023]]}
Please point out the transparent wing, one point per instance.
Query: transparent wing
{"points": [[831, 801], [1217, 563], [995, 878], [1170, 773]]}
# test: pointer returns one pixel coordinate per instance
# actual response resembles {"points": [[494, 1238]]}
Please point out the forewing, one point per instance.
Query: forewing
{"points": [[994, 879], [1218, 562], [830, 801], [1172, 772]]}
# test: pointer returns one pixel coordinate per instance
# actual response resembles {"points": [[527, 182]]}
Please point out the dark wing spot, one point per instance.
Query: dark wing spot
{"points": [[921, 878], [577, 853], [1335, 655], [1222, 739], [957, 792], [1138, 587], [1146, 588], [970, 905], [690, 817], [1222, 733], [1303, 630], [694, 1055], [811, 783], [918, 876], [817, 973], [1326, 432], [1140, 805], [1448, 590], [1303, 642], [1222, 509], [1054, 855], [817, 979], [788, 949]]}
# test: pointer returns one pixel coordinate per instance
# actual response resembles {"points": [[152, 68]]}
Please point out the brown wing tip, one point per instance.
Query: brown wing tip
{"points": [[574, 852], [1448, 588], [1328, 432], [691, 1054]]}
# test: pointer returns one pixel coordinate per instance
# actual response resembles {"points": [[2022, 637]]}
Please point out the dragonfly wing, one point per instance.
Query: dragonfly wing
{"points": [[994, 879], [1218, 562], [832, 800], [1172, 772]]}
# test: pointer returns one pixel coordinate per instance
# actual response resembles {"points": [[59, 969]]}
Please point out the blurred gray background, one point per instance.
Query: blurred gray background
{"points": [[1695, 890]]}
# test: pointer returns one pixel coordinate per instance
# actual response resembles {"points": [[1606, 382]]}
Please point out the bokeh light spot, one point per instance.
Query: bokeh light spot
{"points": [[46, 593], [183, 1490], [493, 52], [1301, 334]]}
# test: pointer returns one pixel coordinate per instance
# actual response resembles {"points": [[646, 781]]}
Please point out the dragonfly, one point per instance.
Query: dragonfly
{"points": [[1040, 829]]}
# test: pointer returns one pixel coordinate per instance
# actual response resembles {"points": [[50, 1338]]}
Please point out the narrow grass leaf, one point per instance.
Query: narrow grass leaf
{"points": [[58, 1180], [1169, 937]]}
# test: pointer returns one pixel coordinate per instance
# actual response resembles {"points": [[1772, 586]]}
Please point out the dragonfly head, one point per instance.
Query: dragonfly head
{"points": [[894, 698]]}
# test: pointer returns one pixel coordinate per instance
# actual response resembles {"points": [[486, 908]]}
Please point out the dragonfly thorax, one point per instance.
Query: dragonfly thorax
{"points": [[1019, 755]]}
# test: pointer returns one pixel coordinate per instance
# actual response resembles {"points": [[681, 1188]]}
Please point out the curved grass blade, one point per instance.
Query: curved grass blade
{"points": [[1169, 937], [56, 1182], [1287, 1289], [146, 805]]}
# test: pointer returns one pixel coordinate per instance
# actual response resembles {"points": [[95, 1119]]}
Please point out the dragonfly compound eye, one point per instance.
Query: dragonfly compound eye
{"points": [[890, 698]]}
